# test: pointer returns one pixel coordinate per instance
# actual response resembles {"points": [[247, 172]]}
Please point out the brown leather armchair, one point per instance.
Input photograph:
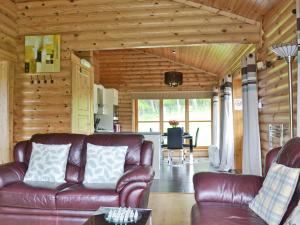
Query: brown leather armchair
{"points": [[223, 198], [73, 202]]}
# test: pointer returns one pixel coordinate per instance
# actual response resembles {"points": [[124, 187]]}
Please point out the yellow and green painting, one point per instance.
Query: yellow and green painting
{"points": [[42, 54]]}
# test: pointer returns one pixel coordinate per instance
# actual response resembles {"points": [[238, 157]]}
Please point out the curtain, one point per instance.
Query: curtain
{"points": [[251, 137], [216, 118], [226, 131]]}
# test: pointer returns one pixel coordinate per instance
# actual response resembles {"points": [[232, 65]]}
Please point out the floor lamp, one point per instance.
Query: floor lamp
{"points": [[288, 51]]}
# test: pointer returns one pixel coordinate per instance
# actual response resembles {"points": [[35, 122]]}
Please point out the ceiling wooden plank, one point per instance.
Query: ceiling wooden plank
{"points": [[215, 58], [218, 11], [181, 64]]}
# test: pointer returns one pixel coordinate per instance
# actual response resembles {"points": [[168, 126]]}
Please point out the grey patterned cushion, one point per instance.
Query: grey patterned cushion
{"points": [[47, 163], [104, 164]]}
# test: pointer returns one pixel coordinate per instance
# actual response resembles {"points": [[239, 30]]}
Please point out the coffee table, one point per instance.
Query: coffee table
{"points": [[98, 219]]}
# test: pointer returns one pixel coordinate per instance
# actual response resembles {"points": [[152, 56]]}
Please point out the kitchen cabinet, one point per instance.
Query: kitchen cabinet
{"points": [[115, 96], [107, 100], [104, 99], [99, 99]]}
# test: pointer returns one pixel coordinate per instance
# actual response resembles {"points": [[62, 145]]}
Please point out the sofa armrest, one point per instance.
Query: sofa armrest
{"points": [[138, 174], [270, 158], [12, 172], [147, 153], [226, 188]]}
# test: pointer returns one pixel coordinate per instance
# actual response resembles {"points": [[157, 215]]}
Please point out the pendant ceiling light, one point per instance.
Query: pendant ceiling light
{"points": [[173, 78]]}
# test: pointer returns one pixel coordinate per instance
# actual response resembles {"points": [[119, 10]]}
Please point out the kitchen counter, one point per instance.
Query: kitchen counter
{"points": [[155, 137]]}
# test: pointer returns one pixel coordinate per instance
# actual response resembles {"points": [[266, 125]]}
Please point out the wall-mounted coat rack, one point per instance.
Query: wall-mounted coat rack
{"points": [[47, 79]]}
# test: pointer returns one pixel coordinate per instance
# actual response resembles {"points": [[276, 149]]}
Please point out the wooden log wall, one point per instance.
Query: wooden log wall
{"points": [[42, 107], [87, 25], [8, 31], [137, 71], [279, 26]]}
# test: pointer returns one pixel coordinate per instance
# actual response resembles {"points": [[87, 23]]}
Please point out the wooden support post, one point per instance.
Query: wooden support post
{"points": [[6, 110]]}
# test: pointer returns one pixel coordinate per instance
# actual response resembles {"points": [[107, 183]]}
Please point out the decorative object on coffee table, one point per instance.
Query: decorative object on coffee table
{"points": [[120, 216]]}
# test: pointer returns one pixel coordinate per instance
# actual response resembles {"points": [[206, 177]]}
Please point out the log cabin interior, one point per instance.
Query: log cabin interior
{"points": [[132, 74]]}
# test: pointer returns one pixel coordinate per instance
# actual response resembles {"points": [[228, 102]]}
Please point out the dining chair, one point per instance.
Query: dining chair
{"points": [[196, 140], [175, 143]]}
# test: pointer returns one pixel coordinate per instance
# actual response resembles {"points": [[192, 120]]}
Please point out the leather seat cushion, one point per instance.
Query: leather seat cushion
{"points": [[213, 213], [87, 197], [36, 195]]}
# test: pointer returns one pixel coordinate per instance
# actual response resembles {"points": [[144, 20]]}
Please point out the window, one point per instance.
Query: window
{"points": [[148, 115], [155, 114], [173, 109], [200, 117]]}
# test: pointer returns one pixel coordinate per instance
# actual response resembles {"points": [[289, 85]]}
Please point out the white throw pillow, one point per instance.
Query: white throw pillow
{"points": [[47, 163], [275, 195], [294, 218], [104, 164]]}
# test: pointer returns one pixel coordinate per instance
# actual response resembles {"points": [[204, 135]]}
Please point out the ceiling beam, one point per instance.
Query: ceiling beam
{"points": [[196, 4], [179, 63]]}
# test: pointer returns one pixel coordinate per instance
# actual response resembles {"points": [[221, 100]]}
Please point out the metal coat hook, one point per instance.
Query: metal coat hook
{"points": [[45, 80], [31, 80], [38, 79], [52, 81]]}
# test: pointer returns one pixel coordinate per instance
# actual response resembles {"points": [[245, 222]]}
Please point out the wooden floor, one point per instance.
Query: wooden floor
{"points": [[171, 208], [179, 178]]}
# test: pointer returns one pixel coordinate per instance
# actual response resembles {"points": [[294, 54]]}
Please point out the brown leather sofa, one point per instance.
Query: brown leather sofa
{"points": [[223, 198], [73, 202]]}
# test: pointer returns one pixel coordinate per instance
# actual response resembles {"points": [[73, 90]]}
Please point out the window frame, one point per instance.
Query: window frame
{"points": [[136, 106], [187, 120]]}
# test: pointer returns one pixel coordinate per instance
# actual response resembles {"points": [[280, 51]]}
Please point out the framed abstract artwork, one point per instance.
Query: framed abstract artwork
{"points": [[42, 54]]}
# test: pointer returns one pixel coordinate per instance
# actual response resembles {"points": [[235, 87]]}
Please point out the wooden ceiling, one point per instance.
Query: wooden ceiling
{"points": [[114, 24], [239, 7], [253, 9], [216, 58], [230, 27], [136, 70]]}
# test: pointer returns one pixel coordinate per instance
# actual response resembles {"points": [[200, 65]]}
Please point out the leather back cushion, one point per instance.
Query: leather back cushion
{"points": [[289, 156], [133, 141], [270, 158], [75, 155]]}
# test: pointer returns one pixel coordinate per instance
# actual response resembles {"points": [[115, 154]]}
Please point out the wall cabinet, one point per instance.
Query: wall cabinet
{"points": [[99, 99], [108, 99], [115, 96], [104, 99]]}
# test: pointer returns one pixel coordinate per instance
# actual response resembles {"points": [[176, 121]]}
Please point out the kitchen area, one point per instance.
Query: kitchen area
{"points": [[105, 109], [106, 119]]}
